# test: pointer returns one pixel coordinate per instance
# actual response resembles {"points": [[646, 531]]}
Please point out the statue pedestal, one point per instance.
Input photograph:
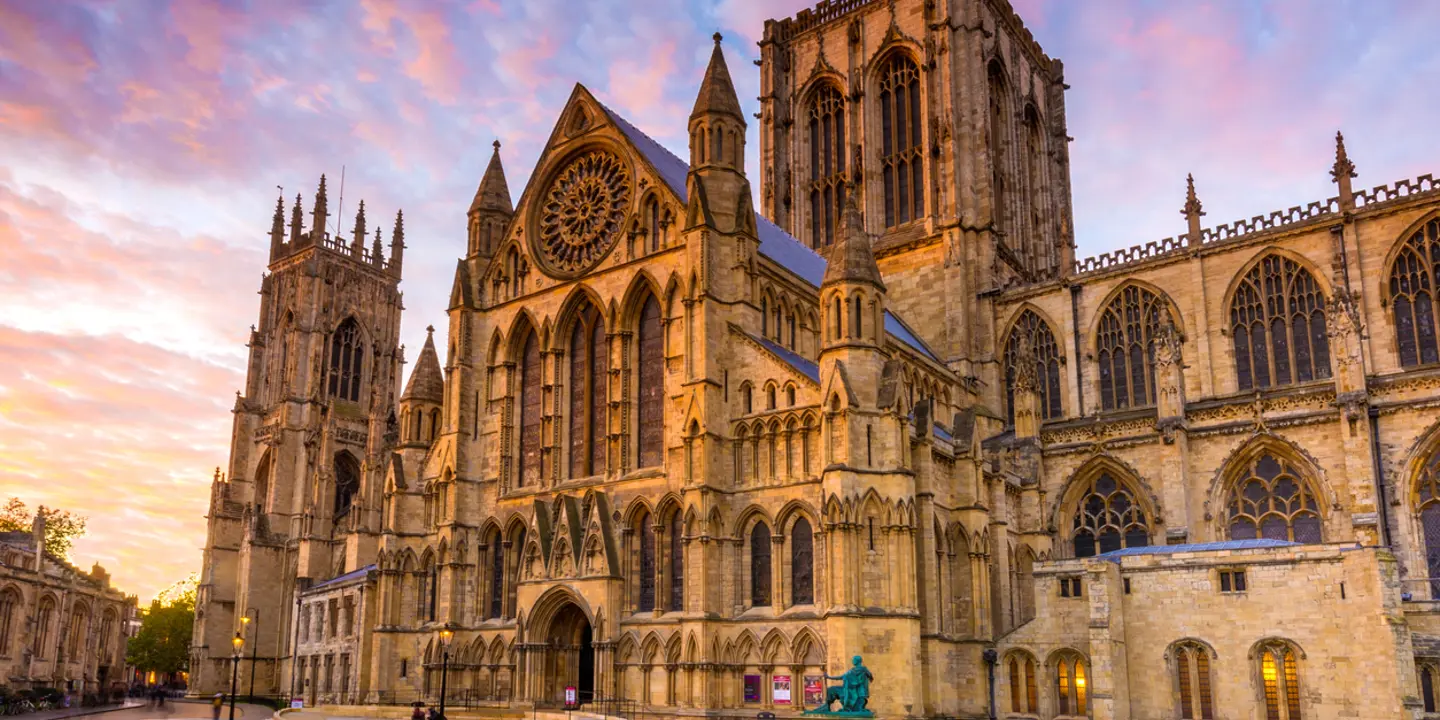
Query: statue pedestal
{"points": [[822, 712]]}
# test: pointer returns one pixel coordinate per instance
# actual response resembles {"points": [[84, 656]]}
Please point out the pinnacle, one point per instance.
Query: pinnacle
{"points": [[1343, 166], [427, 382], [493, 192], [717, 91], [1192, 202], [851, 260]]}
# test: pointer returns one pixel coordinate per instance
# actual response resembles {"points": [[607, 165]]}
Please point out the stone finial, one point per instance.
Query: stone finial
{"points": [[297, 223], [277, 227], [360, 231], [377, 251], [397, 243], [1341, 173], [1192, 210], [321, 212]]}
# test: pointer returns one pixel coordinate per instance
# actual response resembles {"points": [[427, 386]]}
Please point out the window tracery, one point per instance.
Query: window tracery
{"points": [[1071, 693], [1280, 679], [1107, 517], [901, 158], [1427, 504], [582, 213], [1277, 326], [1414, 277], [347, 483], [1192, 678], [1273, 500], [530, 380], [347, 353], [9, 602], [1023, 695], [827, 164], [1125, 348], [1046, 357], [589, 372]]}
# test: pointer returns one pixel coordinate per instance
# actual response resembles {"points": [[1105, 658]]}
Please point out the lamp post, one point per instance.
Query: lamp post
{"points": [[239, 643], [445, 636], [255, 646]]}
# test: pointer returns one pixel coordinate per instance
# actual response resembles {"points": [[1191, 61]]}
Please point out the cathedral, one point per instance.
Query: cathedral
{"points": [[686, 444]]}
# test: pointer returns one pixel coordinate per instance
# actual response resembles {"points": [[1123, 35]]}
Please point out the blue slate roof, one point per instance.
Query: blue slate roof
{"points": [[1256, 544], [795, 360], [352, 575], [775, 243]]}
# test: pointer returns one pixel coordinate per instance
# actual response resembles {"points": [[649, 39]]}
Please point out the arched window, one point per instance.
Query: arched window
{"points": [[1071, 692], [434, 423], [827, 163], [1277, 324], [652, 224], [856, 310], [741, 438], [900, 151], [999, 145], [1271, 499], [347, 482], [44, 625], [1426, 680], [347, 354], [760, 565], [651, 382], [1192, 679], [1038, 252], [589, 368], [646, 532], [1023, 695], [79, 618], [1047, 364], [1414, 277], [1108, 518], [770, 397], [677, 563], [1427, 503], [1280, 678], [747, 399], [790, 396], [497, 576], [9, 607], [262, 489], [530, 372], [802, 563], [1125, 348]]}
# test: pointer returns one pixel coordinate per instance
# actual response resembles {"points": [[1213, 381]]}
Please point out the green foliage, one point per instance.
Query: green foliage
{"points": [[163, 643], [62, 527]]}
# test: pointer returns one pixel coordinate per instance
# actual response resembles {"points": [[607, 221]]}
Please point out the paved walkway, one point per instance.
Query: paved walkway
{"points": [[139, 710]]}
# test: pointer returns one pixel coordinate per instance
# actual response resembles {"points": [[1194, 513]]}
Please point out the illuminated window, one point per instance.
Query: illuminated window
{"points": [[1192, 678], [1280, 679], [1071, 693]]}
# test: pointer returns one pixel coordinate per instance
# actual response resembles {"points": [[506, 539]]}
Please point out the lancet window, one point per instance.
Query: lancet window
{"points": [[1414, 277], [1071, 692], [646, 532], [901, 156], [530, 379], [760, 565], [651, 381], [1023, 695], [674, 534], [802, 563], [1271, 499], [9, 608], [827, 164], [1277, 326], [347, 354], [1427, 503], [589, 370], [1192, 680], [1280, 679], [347, 482], [1125, 348]]}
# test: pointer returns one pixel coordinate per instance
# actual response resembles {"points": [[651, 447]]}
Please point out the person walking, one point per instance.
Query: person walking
{"points": [[418, 713], [215, 705]]}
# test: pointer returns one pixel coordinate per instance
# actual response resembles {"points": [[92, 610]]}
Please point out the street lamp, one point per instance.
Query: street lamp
{"points": [[239, 643], [255, 648], [445, 636]]}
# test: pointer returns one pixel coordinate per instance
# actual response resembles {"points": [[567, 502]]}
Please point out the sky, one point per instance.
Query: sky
{"points": [[142, 143]]}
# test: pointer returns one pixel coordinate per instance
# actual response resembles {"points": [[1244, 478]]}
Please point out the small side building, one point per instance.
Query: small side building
{"points": [[332, 645]]}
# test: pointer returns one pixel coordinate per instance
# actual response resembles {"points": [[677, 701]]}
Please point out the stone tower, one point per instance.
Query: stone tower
{"points": [[301, 500], [957, 142]]}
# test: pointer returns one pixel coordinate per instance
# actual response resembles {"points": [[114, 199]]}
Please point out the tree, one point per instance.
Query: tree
{"points": [[163, 643], [62, 527]]}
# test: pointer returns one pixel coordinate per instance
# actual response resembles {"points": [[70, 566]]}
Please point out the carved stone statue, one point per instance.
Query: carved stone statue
{"points": [[853, 693]]}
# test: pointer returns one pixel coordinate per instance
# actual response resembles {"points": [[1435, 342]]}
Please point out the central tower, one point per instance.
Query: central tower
{"points": [[956, 141]]}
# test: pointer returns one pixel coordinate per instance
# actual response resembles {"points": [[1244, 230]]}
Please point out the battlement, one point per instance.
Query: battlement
{"points": [[1238, 230], [284, 243]]}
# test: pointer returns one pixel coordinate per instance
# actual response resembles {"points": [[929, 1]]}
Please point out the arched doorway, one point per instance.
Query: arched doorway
{"points": [[569, 656]]}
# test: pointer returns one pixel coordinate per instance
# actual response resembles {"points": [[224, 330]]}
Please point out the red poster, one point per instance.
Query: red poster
{"points": [[814, 690]]}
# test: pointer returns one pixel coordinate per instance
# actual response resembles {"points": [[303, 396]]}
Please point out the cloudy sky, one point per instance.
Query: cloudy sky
{"points": [[141, 143]]}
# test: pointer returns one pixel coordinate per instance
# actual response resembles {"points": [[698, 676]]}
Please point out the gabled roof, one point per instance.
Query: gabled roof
{"points": [[775, 243]]}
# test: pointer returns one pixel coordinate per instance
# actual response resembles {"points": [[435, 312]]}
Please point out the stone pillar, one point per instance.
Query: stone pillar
{"points": [[1109, 678]]}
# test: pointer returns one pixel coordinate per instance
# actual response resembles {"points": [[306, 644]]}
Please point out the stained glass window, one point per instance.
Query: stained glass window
{"points": [[589, 368], [760, 565], [1192, 677], [901, 156], [530, 371], [647, 564], [1107, 517], [1280, 679], [1272, 500], [1047, 364], [1414, 277], [802, 563], [1125, 348], [827, 164], [347, 354], [1277, 326], [651, 383], [677, 563]]}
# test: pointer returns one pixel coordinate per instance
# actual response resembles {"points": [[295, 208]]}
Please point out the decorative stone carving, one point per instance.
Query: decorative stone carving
{"points": [[582, 213]]}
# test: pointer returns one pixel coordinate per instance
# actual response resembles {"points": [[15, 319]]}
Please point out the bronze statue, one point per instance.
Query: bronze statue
{"points": [[853, 692]]}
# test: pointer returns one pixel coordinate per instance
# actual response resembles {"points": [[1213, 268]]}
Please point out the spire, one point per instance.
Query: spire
{"points": [[357, 244], [377, 251], [277, 228], [1342, 172], [427, 383], [493, 193], [717, 92], [297, 224], [1192, 211], [397, 243], [320, 214], [851, 259]]}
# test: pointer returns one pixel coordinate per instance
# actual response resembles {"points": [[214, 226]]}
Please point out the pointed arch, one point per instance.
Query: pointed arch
{"points": [[1191, 661], [1123, 336], [1021, 680], [1031, 324], [826, 170], [1106, 506], [900, 126], [1409, 287], [1421, 478], [1269, 488], [1275, 308], [346, 365]]}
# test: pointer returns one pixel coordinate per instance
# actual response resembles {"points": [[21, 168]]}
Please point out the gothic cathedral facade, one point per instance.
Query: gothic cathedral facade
{"points": [[676, 453]]}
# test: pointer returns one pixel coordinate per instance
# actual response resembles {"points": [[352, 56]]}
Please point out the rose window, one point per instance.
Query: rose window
{"points": [[582, 213]]}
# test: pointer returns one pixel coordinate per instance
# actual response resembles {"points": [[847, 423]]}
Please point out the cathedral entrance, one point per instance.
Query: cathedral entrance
{"points": [[569, 656]]}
